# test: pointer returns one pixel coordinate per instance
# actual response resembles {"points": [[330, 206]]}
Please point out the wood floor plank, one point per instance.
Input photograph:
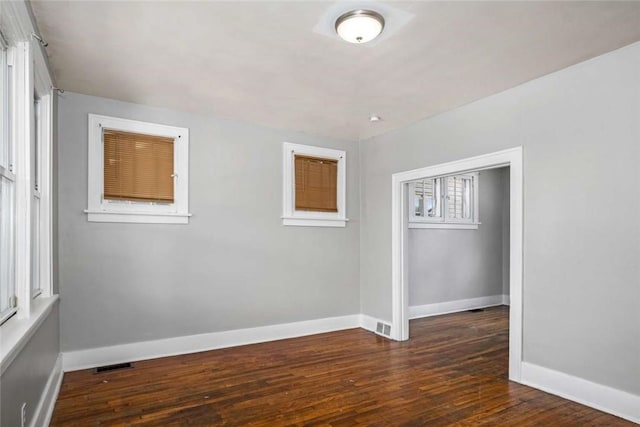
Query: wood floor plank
{"points": [[452, 372]]}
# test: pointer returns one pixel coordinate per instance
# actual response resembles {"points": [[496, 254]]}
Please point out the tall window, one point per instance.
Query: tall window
{"points": [[36, 287], [444, 202], [7, 194]]}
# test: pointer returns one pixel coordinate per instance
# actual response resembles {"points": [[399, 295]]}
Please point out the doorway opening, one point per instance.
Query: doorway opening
{"points": [[402, 210]]}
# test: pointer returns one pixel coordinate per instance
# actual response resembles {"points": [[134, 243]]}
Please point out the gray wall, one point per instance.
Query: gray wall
{"points": [[234, 266], [448, 264], [506, 224], [26, 377], [580, 130]]}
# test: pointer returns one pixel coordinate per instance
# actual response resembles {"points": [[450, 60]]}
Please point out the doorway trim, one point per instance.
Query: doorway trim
{"points": [[399, 249]]}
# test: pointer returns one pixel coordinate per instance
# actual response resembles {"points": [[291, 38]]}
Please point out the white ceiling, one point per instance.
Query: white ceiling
{"points": [[263, 62]]}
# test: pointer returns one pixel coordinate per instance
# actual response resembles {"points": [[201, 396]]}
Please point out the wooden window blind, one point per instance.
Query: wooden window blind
{"points": [[316, 182], [138, 167]]}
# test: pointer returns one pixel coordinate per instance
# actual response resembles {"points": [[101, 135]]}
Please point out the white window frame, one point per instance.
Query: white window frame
{"points": [[293, 217], [42, 230], [30, 78], [8, 174], [102, 210], [445, 221]]}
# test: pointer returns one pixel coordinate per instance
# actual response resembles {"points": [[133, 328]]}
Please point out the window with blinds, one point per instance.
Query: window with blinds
{"points": [[428, 198], [445, 200], [316, 184], [138, 167], [459, 197]]}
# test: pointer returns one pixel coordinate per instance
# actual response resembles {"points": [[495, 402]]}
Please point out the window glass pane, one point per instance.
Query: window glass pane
{"points": [[138, 167], [4, 103], [433, 197], [466, 198], [316, 184], [428, 198], [36, 148], [419, 198], [454, 197], [35, 247], [459, 197], [7, 238]]}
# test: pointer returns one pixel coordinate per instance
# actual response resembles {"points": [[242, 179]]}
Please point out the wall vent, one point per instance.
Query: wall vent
{"points": [[383, 329], [108, 368], [386, 330]]}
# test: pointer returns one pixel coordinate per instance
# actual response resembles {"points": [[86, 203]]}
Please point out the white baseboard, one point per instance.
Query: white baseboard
{"points": [[91, 358], [613, 401], [44, 411], [418, 311]]}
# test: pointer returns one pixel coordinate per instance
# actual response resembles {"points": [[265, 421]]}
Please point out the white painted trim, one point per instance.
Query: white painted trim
{"points": [[137, 217], [613, 401], [91, 358], [44, 411], [23, 126], [16, 333], [101, 210], [311, 222], [506, 300], [399, 248], [45, 187], [436, 309], [443, 225], [290, 216]]}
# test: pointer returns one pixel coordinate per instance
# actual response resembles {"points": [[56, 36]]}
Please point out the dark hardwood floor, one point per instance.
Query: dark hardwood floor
{"points": [[453, 371]]}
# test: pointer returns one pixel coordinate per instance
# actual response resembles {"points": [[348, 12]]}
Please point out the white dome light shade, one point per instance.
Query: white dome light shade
{"points": [[359, 26]]}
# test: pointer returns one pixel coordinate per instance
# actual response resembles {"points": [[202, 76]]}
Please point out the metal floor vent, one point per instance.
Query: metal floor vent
{"points": [[108, 368], [383, 329], [476, 310]]}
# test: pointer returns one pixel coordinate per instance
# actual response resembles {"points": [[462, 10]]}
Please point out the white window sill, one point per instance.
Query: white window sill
{"points": [[138, 217], [441, 225], [17, 332], [315, 222]]}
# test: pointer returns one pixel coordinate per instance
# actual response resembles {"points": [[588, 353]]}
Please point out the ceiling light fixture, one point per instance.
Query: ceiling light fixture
{"points": [[375, 118], [359, 26]]}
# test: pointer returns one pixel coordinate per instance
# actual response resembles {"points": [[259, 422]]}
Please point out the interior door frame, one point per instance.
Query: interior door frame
{"points": [[513, 158]]}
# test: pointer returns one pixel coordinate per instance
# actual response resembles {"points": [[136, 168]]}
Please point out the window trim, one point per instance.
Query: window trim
{"points": [[293, 217], [100, 210], [30, 76], [444, 222], [7, 173]]}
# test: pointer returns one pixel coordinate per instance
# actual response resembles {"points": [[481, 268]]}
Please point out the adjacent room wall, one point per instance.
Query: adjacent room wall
{"points": [[234, 266], [25, 378], [580, 131], [449, 264], [506, 225]]}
